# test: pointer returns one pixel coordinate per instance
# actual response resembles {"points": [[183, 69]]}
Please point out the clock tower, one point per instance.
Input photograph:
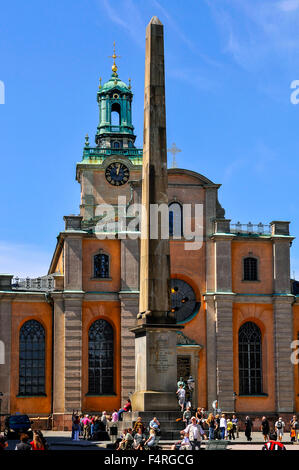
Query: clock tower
{"points": [[109, 169]]}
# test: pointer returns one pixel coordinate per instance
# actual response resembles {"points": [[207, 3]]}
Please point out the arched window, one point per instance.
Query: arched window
{"points": [[250, 269], [250, 359], [100, 358], [115, 114], [101, 266], [116, 145], [32, 359], [175, 220]]}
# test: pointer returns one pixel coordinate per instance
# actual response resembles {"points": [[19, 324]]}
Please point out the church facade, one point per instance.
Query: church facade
{"points": [[65, 339]]}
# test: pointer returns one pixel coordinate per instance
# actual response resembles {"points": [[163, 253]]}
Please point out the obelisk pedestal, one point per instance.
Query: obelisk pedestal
{"points": [[155, 333]]}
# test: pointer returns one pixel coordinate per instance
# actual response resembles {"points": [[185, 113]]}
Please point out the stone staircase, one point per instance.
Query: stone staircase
{"points": [[170, 428]]}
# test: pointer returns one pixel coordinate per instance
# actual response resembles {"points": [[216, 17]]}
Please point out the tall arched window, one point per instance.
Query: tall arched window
{"points": [[32, 359], [101, 266], [250, 269], [115, 114], [100, 358], [175, 220], [250, 359]]}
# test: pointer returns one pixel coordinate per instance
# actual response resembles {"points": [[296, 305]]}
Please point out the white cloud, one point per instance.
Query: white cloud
{"points": [[127, 15], [257, 31], [23, 259], [288, 5]]}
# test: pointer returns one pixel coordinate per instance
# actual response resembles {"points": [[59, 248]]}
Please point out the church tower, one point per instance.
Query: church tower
{"points": [[108, 169]]}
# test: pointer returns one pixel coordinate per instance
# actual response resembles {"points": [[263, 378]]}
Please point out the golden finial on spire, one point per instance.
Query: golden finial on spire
{"points": [[100, 85], [114, 56], [86, 140], [130, 84]]}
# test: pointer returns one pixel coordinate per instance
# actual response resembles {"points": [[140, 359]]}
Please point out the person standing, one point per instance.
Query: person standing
{"points": [[279, 428], [212, 424], [114, 418], [235, 422], [193, 433], [248, 428], [295, 426], [75, 428], [223, 426], [181, 393], [230, 429], [265, 428], [86, 427], [217, 434]]}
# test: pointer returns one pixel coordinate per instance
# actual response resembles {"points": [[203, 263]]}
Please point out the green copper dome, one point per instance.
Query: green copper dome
{"points": [[114, 82]]}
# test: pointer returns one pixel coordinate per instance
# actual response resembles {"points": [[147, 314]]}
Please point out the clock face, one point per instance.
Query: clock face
{"points": [[183, 300], [117, 174]]}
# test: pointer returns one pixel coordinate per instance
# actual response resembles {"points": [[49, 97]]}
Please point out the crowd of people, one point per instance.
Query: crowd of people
{"points": [[140, 437], [197, 425]]}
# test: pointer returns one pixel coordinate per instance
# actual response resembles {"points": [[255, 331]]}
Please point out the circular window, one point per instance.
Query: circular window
{"points": [[182, 299]]}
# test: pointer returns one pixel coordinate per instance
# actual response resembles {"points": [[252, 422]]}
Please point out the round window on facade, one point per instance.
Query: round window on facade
{"points": [[183, 300]]}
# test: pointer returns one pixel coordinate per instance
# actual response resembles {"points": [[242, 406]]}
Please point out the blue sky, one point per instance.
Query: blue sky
{"points": [[229, 66]]}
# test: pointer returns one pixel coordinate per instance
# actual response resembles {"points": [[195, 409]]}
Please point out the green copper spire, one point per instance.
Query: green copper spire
{"points": [[115, 131]]}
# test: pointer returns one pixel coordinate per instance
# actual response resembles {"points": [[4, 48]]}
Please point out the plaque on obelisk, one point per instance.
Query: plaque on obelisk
{"points": [[155, 333]]}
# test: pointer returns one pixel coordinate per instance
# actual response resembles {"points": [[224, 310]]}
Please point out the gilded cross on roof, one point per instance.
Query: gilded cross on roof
{"points": [[174, 150], [114, 56]]}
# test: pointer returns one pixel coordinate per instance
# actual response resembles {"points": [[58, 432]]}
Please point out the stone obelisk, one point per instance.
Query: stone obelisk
{"points": [[155, 333]]}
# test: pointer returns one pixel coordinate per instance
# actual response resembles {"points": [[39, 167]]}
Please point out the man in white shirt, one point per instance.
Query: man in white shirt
{"points": [[279, 428], [193, 432]]}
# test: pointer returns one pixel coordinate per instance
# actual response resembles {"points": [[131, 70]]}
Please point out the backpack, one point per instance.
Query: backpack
{"points": [[279, 425]]}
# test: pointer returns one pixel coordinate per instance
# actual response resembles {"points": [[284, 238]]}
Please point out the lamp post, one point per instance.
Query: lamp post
{"points": [[191, 385], [234, 397]]}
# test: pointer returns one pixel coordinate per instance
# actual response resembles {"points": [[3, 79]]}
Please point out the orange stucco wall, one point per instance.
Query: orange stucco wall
{"points": [[22, 312], [109, 311], [261, 250], [296, 366], [262, 315], [91, 248]]}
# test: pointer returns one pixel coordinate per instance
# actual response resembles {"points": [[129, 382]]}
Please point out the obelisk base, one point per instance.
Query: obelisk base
{"points": [[156, 367], [154, 401]]}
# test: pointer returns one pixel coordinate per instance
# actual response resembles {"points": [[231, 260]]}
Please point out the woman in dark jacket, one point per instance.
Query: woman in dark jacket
{"points": [[248, 427], [265, 428]]}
